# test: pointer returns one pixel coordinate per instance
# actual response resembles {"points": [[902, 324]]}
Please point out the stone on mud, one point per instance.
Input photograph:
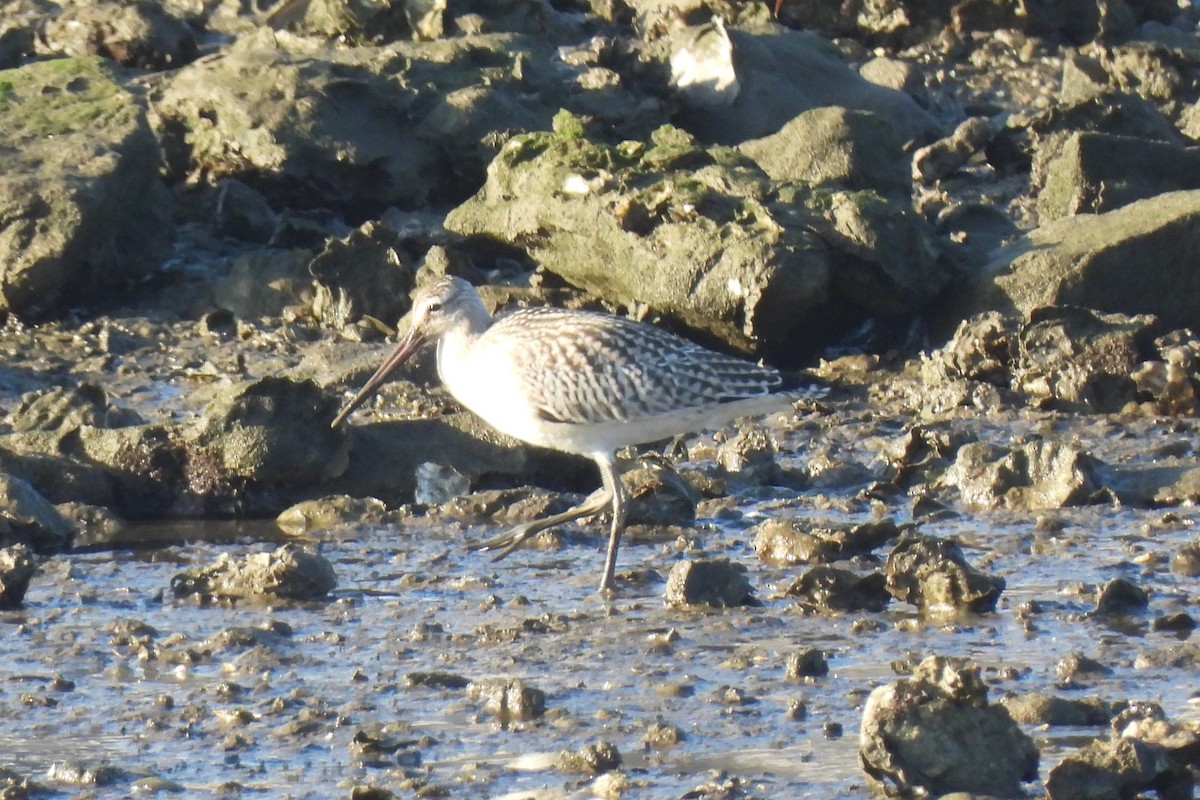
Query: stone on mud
{"points": [[808, 663], [1078, 359], [82, 212], [831, 589], [592, 759], [273, 431], [66, 409], [933, 575], [364, 274], [1039, 708], [1035, 474], [658, 495], [1121, 596], [327, 512], [17, 568], [806, 541], [716, 582], [28, 518], [289, 573], [935, 733], [1119, 767], [510, 701]]}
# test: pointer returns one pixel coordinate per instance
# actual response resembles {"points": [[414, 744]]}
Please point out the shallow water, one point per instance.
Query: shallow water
{"points": [[275, 718]]}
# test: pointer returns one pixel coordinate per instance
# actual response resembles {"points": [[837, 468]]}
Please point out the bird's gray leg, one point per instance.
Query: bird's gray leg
{"points": [[612, 482], [509, 541]]}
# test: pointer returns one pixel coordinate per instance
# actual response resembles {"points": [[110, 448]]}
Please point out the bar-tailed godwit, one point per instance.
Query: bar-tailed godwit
{"points": [[579, 382]]}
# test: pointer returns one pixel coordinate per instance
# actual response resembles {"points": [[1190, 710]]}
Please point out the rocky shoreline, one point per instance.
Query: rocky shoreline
{"points": [[977, 221]]}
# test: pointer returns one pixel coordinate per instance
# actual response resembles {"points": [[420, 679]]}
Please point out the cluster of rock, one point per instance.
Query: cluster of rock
{"points": [[699, 163]]}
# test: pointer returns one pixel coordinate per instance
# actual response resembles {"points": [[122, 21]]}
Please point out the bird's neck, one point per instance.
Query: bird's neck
{"points": [[456, 342]]}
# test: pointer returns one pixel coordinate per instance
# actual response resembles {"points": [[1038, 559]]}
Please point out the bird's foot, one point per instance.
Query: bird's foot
{"points": [[505, 543]]}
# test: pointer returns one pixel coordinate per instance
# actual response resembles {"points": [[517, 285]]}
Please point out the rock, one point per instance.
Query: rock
{"points": [[1118, 767], [1121, 596], [1163, 482], [749, 456], [379, 745], [658, 495], [710, 278], [1181, 740], [740, 260], [939, 160], [288, 573], [1037, 708], [438, 483], [384, 457], [1081, 360], [1076, 668], [714, 582], [273, 431], [1129, 261], [510, 701], [28, 518], [436, 680], [327, 512], [782, 74], [1035, 474], [837, 590], [64, 410], [1187, 561], [364, 274], [933, 575], [808, 663], [17, 568], [242, 213], [263, 283], [983, 348], [1179, 622], [853, 150], [1172, 379], [935, 733], [592, 759], [82, 214], [804, 541], [1097, 172], [318, 133], [142, 35]]}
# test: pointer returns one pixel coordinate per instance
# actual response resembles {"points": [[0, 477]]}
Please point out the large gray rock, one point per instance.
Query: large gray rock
{"points": [[934, 733], [273, 431], [852, 149], [82, 212], [700, 235], [1138, 259], [364, 128], [1097, 172]]}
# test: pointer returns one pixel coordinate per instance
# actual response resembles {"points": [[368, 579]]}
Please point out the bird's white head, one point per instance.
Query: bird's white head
{"points": [[438, 307]]}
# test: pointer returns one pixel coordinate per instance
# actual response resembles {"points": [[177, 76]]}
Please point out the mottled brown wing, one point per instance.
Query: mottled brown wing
{"points": [[584, 367]]}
